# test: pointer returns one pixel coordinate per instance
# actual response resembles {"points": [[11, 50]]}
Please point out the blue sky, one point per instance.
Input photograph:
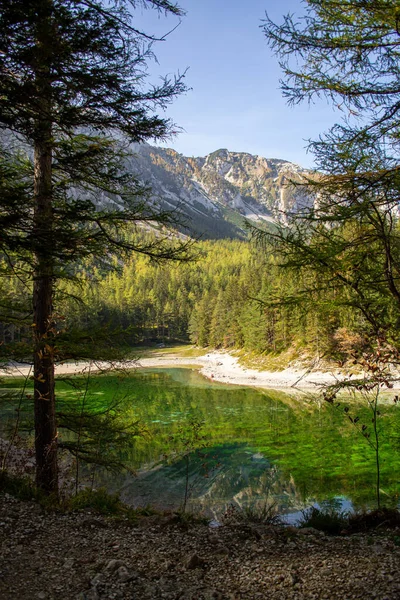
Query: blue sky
{"points": [[234, 101]]}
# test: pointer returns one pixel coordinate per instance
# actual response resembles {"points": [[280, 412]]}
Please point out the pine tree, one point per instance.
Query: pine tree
{"points": [[72, 89], [349, 238]]}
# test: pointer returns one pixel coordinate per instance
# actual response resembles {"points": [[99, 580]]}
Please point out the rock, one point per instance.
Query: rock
{"points": [[113, 565], [255, 533], [88, 595], [195, 562], [92, 594], [124, 575], [98, 578], [214, 539], [310, 531], [68, 563], [93, 522], [257, 456], [294, 578], [222, 551], [291, 530], [284, 564]]}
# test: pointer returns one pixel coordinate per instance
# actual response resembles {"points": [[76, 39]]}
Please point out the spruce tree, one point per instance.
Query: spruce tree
{"points": [[73, 95]]}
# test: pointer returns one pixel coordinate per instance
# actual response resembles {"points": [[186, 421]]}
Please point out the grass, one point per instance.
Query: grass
{"points": [[179, 350], [293, 357], [98, 500], [330, 520], [190, 351], [273, 361], [185, 519], [327, 519], [336, 522], [24, 489], [260, 513], [109, 505]]}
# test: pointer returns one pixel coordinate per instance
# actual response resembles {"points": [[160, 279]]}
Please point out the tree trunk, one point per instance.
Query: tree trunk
{"points": [[43, 326], [44, 393]]}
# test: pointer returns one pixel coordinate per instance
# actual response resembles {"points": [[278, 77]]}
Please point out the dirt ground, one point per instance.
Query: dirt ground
{"points": [[49, 555]]}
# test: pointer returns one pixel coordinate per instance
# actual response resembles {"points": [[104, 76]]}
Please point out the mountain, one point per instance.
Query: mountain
{"points": [[218, 192]]}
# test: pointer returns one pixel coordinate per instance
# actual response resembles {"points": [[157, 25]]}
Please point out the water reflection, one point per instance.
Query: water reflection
{"points": [[255, 445]]}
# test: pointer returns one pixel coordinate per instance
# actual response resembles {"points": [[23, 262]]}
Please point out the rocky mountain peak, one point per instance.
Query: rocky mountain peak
{"points": [[219, 191], [216, 193]]}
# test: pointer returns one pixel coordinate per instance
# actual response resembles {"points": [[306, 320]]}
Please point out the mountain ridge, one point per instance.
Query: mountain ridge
{"points": [[220, 191], [215, 194]]}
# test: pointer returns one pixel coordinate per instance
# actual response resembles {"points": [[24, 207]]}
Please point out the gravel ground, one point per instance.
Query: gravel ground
{"points": [[83, 556]]}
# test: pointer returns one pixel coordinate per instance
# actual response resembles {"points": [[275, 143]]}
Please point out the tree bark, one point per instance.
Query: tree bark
{"points": [[44, 393], [43, 326]]}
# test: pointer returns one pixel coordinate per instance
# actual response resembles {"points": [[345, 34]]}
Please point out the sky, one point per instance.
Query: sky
{"points": [[234, 100]]}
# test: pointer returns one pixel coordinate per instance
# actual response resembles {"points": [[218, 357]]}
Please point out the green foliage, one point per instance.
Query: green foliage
{"points": [[96, 91], [345, 245], [20, 487], [99, 500], [231, 297]]}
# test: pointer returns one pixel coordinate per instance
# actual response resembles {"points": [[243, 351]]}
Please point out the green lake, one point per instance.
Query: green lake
{"points": [[251, 445]]}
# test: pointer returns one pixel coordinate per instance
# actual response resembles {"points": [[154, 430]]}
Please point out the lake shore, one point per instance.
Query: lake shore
{"points": [[83, 555], [225, 368], [215, 365]]}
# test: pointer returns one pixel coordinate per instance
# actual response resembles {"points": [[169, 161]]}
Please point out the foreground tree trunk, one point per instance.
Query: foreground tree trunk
{"points": [[43, 326], [44, 392]]}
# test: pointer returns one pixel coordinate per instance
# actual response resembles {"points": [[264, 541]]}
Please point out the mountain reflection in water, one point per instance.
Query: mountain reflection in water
{"points": [[252, 447], [259, 446]]}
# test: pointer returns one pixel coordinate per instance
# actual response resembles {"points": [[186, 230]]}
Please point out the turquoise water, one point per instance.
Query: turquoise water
{"points": [[235, 445]]}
